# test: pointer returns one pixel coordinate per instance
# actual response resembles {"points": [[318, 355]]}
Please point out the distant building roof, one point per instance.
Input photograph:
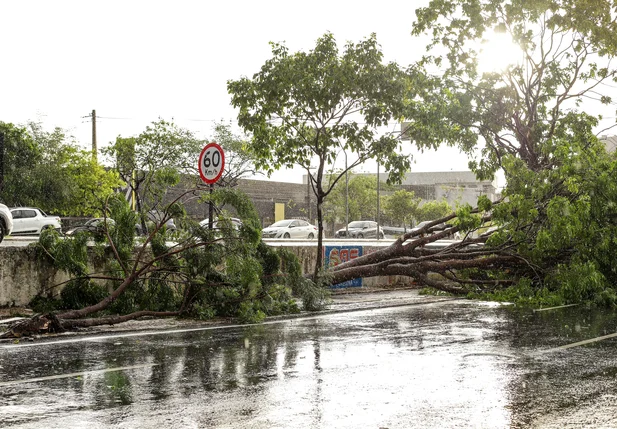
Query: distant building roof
{"points": [[430, 178]]}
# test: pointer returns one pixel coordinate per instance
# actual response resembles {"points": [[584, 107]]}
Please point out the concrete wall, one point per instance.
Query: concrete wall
{"points": [[24, 273]]}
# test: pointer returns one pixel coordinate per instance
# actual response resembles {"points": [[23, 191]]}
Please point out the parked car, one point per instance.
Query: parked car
{"points": [[6, 222], [95, 226], [216, 224], [31, 220], [154, 217], [360, 229], [290, 228]]}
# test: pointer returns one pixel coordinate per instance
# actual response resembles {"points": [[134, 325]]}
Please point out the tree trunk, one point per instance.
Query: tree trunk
{"points": [[319, 258]]}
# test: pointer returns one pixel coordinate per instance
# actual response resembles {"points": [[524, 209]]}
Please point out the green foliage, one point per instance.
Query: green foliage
{"points": [[432, 210], [559, 211], [484, 204], [401, 207], [525, 294], [360, 196], [48, 170], [80, 293], [314, 295], [42, 304], [227, 273], [578, 282], [322, 87], [467, 220], [152, 162]]}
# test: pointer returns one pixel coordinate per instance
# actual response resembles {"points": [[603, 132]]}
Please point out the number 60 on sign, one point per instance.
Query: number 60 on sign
{"points": [[211, 163]]}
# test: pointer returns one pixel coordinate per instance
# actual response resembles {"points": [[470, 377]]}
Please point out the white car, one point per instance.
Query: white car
{"points": [[234, 222], [6, 222], [30, 220], [290, 228]]}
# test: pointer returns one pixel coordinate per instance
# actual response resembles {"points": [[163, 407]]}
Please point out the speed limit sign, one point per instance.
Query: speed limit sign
{"points": [[211, 163]]}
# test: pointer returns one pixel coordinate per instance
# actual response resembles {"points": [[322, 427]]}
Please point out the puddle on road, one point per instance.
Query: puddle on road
{"points": [[445, 365]]}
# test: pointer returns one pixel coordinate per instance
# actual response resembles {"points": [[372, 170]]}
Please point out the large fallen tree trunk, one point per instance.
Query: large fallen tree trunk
{"points": [[445, 265]]}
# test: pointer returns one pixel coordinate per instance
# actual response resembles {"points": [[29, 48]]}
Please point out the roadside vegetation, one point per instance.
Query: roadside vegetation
{"points": [[195, 272]]}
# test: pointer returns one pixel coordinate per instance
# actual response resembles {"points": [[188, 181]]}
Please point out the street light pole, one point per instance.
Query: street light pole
{"points": [[378, 200], [308, 194], [346, 199]]}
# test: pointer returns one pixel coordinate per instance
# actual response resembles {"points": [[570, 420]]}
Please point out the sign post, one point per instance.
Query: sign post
{"points": [[211, 167]]}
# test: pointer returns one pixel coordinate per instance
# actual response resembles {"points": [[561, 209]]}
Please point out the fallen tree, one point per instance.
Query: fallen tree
{"points": [[198, 272], [552, 232]]}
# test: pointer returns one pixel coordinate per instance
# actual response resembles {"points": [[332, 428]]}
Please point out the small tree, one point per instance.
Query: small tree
{"points": [[239, 161], [153, 162], [307, 108], [432, 210], [401, 207]]}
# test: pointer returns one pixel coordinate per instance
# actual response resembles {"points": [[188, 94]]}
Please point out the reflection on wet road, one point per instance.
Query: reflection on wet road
{"points": [[447, 364]]}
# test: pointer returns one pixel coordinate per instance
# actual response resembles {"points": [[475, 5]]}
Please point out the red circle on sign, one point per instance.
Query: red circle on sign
{"points": [[211, 163]]}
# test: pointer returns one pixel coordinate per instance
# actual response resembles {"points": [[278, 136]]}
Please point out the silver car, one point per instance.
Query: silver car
{"points": [[360, 229]]}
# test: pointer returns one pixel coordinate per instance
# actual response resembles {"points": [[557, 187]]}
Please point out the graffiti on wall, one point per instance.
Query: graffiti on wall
{"points": [[335, 255]]}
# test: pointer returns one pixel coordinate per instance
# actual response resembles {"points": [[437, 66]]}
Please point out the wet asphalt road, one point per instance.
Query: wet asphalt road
{"points": [[434, 365]]}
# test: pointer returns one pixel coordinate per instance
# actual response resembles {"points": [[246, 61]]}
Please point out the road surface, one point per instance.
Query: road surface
{"points": [[451, 363]]}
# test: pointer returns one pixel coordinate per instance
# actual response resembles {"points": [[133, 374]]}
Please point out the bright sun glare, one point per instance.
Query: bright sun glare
{"points": [[498, 52]]}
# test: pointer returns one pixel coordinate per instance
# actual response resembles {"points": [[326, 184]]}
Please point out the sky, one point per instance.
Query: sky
{"points": [[137, 61]]}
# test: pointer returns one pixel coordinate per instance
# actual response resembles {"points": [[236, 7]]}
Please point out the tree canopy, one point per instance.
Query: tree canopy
{"points": [[49, 170], [310, 108], [154, 161]]}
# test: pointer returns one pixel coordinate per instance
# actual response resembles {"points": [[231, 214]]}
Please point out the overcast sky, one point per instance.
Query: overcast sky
{"points": [[135, 61]]}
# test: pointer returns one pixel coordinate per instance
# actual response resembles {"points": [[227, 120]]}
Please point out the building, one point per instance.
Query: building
{"points": [[278, 200], [456, 187]]}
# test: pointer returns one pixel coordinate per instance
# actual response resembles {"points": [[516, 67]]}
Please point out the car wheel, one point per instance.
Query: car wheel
{"points": [[286, 235], [2, 231], [311, 236], [360, 235]]}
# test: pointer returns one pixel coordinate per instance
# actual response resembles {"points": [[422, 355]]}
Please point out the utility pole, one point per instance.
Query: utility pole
{"points": [[94, 148]]}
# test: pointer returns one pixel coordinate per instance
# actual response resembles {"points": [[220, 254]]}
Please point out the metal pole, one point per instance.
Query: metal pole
{"points": [[346, 199], [211, 209], [94, 146], [378, 200], [308, 193]]}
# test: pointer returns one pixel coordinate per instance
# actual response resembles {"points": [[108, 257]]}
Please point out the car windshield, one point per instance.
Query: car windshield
{"points": [[281, 223], [356, 225]]}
